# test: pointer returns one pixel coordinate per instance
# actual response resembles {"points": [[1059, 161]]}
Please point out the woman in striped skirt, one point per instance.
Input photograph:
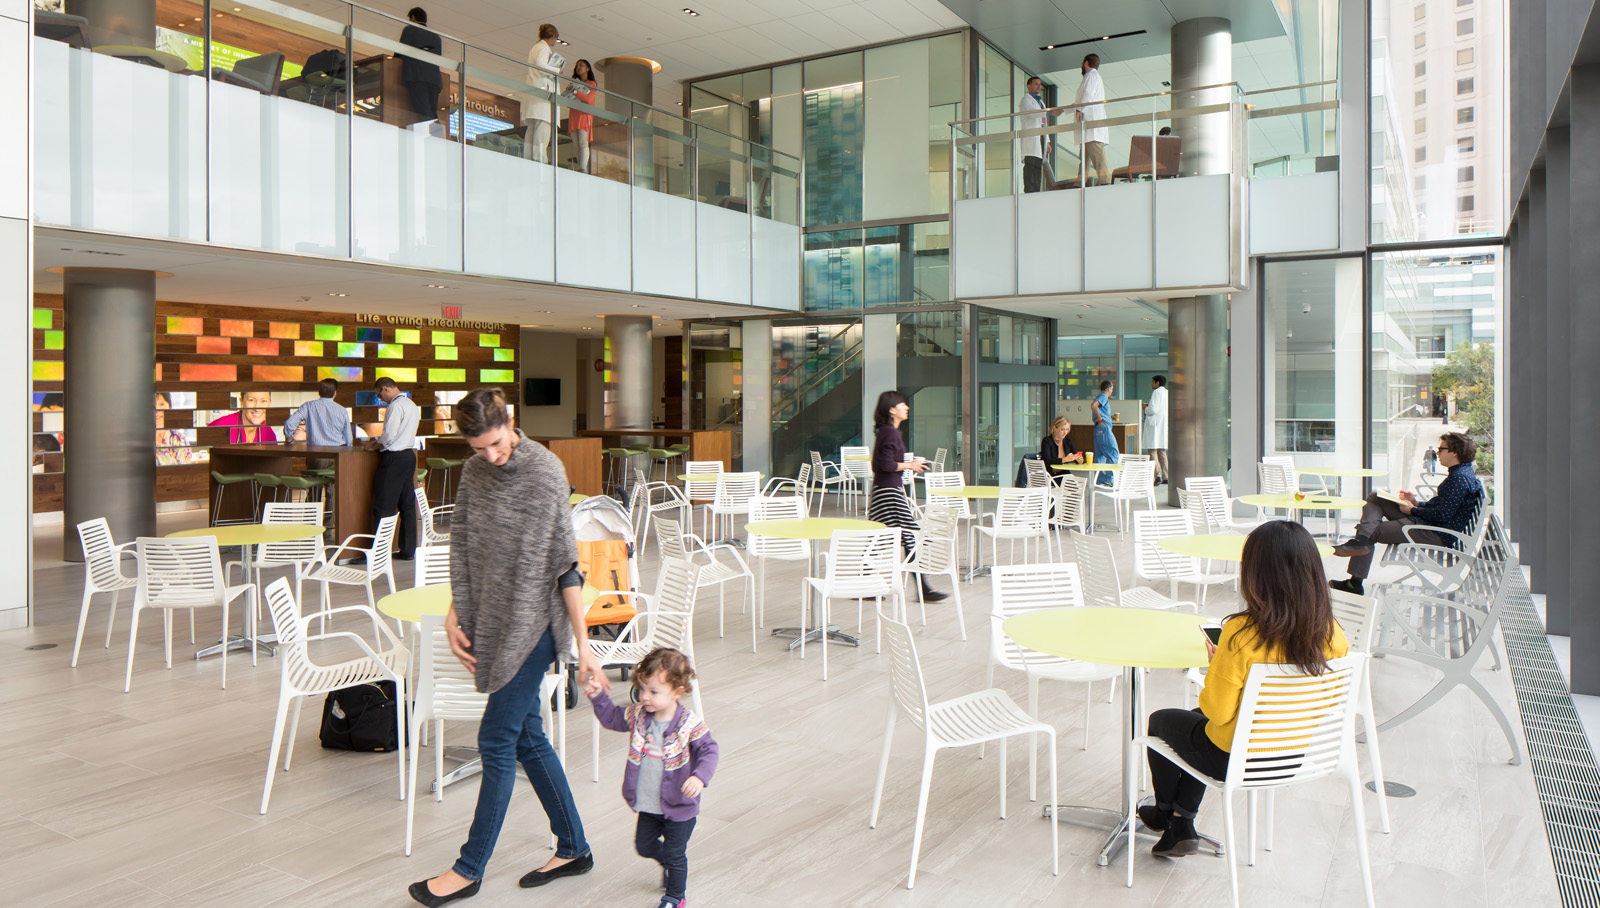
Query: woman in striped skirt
{"points": [[888, 503]]}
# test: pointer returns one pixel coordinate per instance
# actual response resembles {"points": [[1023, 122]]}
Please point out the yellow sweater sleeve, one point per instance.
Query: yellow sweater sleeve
{"points": [[1230, 668]]}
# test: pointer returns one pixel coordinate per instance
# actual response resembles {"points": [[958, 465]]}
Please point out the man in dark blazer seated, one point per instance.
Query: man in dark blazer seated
{"points": [[421, 79]]}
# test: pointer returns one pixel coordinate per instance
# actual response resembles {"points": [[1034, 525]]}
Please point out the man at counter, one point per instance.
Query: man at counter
{"points": [[326, 422], [397, 465], [249, 420]]}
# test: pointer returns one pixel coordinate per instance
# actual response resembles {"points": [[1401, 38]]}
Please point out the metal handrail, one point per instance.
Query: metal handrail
{"points": [[1060, 107], [838, 363], [1050, 130]]}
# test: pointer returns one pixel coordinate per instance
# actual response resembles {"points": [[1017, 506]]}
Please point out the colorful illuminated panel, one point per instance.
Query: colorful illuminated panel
{"points": [[502, 355], [308, 348], [369, 335], [394, 372], [446, 352], [277, 373], [407, 336], [178, 325], [339, 373], [447, 376], [356, 350], [444, 338], [497, 375], [329, 333], [261, 346], [207, 372], [213, 345], [391, 351], [488, 340], [49, 371], [55, 340], [236, 327], [283, 330], [42, 318]]}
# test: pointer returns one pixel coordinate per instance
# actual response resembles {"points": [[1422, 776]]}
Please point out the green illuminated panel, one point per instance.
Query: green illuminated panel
{"points": [[55, 340], [448, 376], [347, 349], [408, 336], [488, 340], [396, 373], [391, 351], [502, 355], [446, 352], [329, 333], [499, 375], [443, 338], [41, 319]]}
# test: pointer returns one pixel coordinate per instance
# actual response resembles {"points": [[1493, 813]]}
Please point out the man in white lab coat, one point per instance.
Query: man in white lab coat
{"points": [[1090, 104], [1155, 427], [1034, 148]]}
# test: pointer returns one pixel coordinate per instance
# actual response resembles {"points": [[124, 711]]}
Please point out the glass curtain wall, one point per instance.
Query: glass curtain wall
{"points": [[816, 391], [928, 373], [1015, 393]]}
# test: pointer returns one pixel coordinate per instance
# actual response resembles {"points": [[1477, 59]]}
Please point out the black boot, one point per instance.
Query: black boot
{"points": [[929, 594]]}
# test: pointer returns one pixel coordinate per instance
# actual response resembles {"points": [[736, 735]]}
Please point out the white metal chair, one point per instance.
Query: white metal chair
{"points": [[433, 566], [975, 718], [831, 476], [937, 479], [938, 460], [1069, 507], [379, 563], [184, 574], [859, 565], [700, 492], [1018, 590], [799, 486], [384, 659], [1219, 507], [1134, 482], [1020, 514], [935, 556], [102, 573], [852, 459], [1102, 584], [675, 543], [1292, 728], [302, 555], [428, 520], [762, 549], [1193, 504], [1152, 562], [732, 498], [658, 498], [1038, 474]]}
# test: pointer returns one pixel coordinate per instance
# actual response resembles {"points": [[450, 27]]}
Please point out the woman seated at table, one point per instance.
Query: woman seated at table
{"points": [[1288, 619], [1057, 447]]}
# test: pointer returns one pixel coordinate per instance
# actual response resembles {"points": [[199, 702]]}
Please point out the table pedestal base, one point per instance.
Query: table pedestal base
{"points": [[815, 636], [1117, 838], [263, 644]]}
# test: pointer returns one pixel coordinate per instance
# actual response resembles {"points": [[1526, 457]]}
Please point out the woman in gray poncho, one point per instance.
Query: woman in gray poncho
{"points": [[516, 604]]}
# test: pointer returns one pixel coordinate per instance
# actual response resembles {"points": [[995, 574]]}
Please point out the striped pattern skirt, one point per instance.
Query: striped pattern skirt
{"points": [[892, 508]]}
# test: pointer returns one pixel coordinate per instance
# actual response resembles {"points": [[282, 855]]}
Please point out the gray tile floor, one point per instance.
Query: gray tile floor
{"points": [[150, 798]]}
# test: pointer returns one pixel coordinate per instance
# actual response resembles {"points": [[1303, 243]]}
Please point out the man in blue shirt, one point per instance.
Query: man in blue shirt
{"points": [[1383, 520], [326, 422]]}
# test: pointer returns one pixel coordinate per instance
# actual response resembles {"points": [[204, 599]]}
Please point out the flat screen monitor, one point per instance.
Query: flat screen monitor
{"points": [[541, 392]]}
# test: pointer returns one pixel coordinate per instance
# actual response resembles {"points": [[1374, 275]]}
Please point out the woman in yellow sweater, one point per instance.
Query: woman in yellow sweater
{"points": [[1287, 620]]}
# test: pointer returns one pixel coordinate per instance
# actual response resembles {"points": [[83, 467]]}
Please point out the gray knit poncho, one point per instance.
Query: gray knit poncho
{"points": [[510, 539]]}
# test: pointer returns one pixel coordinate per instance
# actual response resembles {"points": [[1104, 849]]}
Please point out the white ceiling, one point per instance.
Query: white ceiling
{"points": [[225, 277]]}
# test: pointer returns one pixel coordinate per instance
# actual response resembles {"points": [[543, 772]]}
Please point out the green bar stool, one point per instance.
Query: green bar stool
{"points": [[616, 472], [665, 456], [265, 481], [305, 485], [223, 480]]}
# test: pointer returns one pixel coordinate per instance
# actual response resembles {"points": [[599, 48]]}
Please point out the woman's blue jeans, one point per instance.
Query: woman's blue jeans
{"points": [[511, 732]]}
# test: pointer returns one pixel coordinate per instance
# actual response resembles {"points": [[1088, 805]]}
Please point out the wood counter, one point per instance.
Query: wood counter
{"points": [[350, 495], [1126, 434], [580, 457], [704, 444]]}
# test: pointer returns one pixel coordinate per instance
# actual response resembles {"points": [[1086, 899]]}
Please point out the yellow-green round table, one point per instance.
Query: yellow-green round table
{"points": [[814, 528], [1134, 638], [576, 497], [247, 536], [1308, 502], [1216, 546], [1340, 472], [975, 492], [413, 605], [1087, 467]]}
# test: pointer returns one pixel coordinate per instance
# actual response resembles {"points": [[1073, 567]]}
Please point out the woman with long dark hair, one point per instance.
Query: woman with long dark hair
{"points": [[580, 124], [515, 605], [888, 503], [1287, 620]]}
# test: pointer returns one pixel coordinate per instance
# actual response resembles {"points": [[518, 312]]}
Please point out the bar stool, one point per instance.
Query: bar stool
{"points": [[265, 481], [616, 474], [223, 480], [665, 456], [305, 485]]}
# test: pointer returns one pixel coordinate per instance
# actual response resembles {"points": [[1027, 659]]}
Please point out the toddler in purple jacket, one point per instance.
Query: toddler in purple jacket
{"points": [[671, 757]]}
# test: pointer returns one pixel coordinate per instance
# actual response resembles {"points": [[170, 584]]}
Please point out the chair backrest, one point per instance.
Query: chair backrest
{"points": [[669, 621], [262, 72], [1213, 492], [1150, 560], [444, 686], [1277, 475], [802, 482], [382, 552], [100, 562], [1038, 473], [939, 459], [938, 480], [1194, 504], [1139, 157], [782, 507], [936, 550], [1358, 616], [285, 614], [1097, 570], [1294, 727], [669, 535], [1134, 458], [906, 685], [424, 513], [1136, 476], [179, 573], [701, 489], [294, 514], [864, 562], [1022, 508], [816, 464], [854, 451], [433, 565], [1070, 499], [734, 490], [1022, 588], [1169, 150]]}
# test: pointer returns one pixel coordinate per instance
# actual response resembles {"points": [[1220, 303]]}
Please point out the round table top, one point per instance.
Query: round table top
{"points": [[1146, 638], [417, 602], [968, 492], [1216, 546], [808, 527], [1088, 467], [1340, 471], [253, 533], [576, 497], [1309, 503], [859, 457], [711, 477]]}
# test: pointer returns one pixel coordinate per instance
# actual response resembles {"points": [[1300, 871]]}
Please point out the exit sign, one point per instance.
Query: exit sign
{"points": [[449, 311]]}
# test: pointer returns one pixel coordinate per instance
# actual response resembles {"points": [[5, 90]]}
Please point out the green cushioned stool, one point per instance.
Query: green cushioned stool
{"points": [[222, 481]]}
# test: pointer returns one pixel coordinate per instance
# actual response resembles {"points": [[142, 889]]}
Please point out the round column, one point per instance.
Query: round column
{"points": [[630, 77], [628, 371], [1198, 389], [1202, 55], [110, 418]]}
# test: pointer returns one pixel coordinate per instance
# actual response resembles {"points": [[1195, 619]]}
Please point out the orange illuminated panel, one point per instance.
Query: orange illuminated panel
{"points": [[283, 330], [207, 372], [260, 346], [177, 325], [277, 373], [213, 345], [237, 327]]}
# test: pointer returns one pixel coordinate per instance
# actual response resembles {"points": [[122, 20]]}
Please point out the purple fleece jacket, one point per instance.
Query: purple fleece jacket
{"points": [[688, 751]]}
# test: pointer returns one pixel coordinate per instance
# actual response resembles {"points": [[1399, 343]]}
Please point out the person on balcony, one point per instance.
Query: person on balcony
{"points": [[1034, 148], [543, 63], [1090, 104], [421, 78], [580, 124]]}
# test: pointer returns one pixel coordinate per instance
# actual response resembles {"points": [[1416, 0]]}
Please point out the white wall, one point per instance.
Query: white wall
{"points": [[547, 355], [16, 303]]}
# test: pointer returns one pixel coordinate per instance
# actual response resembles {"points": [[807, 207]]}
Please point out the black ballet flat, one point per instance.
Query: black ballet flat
{"points": [[573, 867], [420, 892]]}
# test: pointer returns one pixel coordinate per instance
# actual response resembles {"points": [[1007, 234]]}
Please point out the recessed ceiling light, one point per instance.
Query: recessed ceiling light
{"points": [[439, 286], [690, 11], [336, 294], [638, 305], [1086, 306], [548, 312], [562, 43]]}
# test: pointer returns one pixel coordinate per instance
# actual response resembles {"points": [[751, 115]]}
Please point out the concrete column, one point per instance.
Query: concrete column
{"points": [[628, 371], [1202, 54], [630, 77], [756, 343], [16, 301], [1198, 389], [1533, 552], [1251, 347], [1557, 399], [878, 372], [110, 443], [1582, 422]]}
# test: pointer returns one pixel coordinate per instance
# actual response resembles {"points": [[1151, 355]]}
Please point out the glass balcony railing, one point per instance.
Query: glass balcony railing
{"points": [[256, 125]]}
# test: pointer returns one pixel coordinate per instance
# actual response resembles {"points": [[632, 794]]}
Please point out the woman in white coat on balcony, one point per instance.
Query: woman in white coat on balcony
{"points": [[543, 64], [1155, 426]]}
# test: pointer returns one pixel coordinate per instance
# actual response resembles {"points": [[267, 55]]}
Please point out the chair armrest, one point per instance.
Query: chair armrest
{"points": [[778, 482], [231, 593], [442, 509], [381, 660], [336, 549], [377, 624], [1441, 531]]}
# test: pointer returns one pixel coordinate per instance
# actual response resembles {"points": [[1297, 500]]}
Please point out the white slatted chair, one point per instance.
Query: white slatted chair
{"points": [[433, 566], [831, 476], [1219, 507], [1134, 482], [1069, 508], [1019, 514], [383, 659], [701, 492], [1276, 476], [1292, 728], [935, 556], [429, 520], [1152, 562], [975, 718], [858, 565], [935, 479], [1038, 474], [714, 571], [102, 573], [939, 458], [860, 472], [1019, 590], [184, 574], [302, 555], [665, 619], [762, 549], [1102, 583], [1193, 504], [379, 563], [799, 486], [1438, 570], [1358, 618], [732, 499], [662, 498]]}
